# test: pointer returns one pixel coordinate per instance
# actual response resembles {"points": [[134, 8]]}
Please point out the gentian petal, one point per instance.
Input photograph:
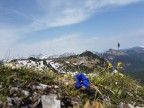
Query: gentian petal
{"points": [[86, 83], [78, 85], [78, 77], [82, 80]]}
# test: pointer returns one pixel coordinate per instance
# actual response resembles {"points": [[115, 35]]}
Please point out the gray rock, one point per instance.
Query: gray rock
{"points": [[13, 101], [35, 97], [138, 107], [40, 86], [50, 101], [14, 88], [26, 93], [121, 105], [56, 87], [9, 101], [16, 101], [130, 106], [124, 105], [1, 104], [35, 104]]}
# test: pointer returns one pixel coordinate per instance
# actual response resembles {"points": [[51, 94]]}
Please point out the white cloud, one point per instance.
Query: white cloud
{"points": [[76, 43], [60, 13], [67, 12], [53, 13]]}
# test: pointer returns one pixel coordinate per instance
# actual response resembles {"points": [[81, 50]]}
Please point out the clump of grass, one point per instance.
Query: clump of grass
{"points": [[23, 77], [120, 88]]}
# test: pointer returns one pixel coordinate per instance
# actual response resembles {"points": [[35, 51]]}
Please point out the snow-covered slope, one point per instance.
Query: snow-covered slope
{"points": [[86, 62]]}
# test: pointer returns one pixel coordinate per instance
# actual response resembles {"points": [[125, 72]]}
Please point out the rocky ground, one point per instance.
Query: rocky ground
{"points": [[25, 88]]}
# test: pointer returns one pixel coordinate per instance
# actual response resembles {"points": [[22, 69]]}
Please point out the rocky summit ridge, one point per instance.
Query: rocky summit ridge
{"points": [[86, 62]]}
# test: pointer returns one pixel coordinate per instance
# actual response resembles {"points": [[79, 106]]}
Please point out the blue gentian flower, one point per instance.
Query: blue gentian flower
{"points": [[82, 80]]}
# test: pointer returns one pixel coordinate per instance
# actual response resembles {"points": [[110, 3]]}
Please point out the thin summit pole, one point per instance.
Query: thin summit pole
{"points": [[118, 45]]}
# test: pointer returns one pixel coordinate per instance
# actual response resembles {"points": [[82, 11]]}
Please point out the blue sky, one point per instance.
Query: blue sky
{"points": [[58, 26]]}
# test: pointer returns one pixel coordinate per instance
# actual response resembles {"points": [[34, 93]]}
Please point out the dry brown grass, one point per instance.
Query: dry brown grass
{"points": [[93, 104]]}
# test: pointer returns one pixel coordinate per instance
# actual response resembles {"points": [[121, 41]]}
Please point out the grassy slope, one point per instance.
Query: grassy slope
{"points": [[119, 88]]}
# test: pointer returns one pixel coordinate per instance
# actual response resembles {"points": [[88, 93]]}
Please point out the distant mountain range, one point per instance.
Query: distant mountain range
{"points": [[86, 62], [43, 56], [132, 59]]}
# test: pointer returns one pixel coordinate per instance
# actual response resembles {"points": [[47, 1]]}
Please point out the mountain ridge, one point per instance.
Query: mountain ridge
{"points": [[86, 62], [132, 59]]}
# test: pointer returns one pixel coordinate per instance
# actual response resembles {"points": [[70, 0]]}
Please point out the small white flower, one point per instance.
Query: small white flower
{"points": [[66, 83]]}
